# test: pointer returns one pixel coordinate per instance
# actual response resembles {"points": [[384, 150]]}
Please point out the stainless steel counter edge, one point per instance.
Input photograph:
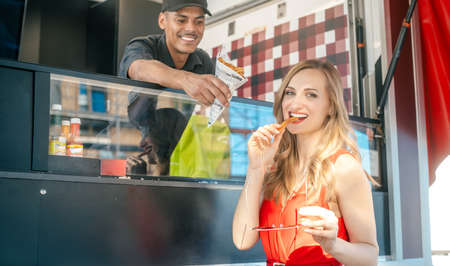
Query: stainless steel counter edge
{"points": [[118, 181]]}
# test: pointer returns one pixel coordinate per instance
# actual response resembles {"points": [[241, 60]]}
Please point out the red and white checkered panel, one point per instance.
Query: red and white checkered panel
{"points": [[267, 56]]}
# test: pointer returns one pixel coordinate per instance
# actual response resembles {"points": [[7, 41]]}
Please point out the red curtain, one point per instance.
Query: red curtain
{"points": [[435, 30]]}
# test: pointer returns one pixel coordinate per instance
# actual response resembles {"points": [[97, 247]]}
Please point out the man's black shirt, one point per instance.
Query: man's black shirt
{"points": [[141, 107], [154, 47]]}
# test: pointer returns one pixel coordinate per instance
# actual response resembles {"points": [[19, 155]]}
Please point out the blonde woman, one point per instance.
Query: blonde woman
{"points": [[306, 195]]}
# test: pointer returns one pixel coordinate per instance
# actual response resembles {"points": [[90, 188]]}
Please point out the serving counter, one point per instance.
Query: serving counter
{"points": [[138, 179]]}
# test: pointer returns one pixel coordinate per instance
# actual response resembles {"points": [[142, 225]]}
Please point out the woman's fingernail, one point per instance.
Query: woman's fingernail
{"points": [[307, 231]]}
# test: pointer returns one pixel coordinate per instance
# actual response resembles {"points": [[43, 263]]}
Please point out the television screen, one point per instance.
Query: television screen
{"points": [[11, 18]]}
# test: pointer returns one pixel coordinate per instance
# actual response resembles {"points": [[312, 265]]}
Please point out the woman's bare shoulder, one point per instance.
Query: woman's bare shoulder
{"points": [[349, 173]]}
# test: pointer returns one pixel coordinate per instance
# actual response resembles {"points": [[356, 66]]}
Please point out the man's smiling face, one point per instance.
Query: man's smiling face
{"points": [[184, 29]]}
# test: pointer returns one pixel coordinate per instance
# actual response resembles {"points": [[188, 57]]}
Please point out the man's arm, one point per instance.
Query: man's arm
{"points": [[204, 88]]}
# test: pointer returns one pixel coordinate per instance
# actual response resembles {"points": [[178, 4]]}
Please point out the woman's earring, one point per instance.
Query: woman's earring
{"points": [[331, 113]]}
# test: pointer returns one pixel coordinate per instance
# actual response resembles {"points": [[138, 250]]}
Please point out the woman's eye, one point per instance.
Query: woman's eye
{"points": [[181, 20], [312, 95], [289, 93]]}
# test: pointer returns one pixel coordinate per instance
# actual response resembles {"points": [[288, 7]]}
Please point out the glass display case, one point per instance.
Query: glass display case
{"points": [[146, 133], [143, 133]]}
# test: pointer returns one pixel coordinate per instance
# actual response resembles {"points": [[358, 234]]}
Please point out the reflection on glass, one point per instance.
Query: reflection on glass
{"points": [[154, 133], [148, 133], [369, 147], [244, 119], [160, 135]]}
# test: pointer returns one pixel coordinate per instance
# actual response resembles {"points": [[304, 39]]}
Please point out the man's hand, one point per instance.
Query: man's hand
{"points": [[202, 87], [205, 88], [136, 166]]}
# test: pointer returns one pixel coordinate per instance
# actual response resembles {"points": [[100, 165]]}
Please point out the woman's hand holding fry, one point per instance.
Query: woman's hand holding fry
{"points": [[263, 144]]}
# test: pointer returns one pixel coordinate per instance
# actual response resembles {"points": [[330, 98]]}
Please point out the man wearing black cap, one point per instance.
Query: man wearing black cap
{"points": [[172, 60]]}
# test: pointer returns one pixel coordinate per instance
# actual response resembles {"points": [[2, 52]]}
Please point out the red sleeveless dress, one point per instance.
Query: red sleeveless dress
{"points": [[293, 246]]}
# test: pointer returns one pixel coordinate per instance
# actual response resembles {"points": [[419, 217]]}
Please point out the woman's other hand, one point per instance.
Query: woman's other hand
{"points": [[322, 224]]}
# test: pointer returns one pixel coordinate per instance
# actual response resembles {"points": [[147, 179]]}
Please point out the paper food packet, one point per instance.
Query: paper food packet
{"points": [[232, 76]]}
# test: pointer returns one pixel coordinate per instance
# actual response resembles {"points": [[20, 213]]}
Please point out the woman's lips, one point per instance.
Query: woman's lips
{"points": [[300, 117]]}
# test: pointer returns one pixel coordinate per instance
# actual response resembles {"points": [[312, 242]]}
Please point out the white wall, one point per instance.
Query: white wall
{"points": [[216, 6], [258, 18], [373, 13]]}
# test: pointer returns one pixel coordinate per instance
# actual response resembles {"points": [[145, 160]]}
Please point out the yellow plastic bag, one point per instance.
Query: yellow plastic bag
{"points": [[202, 151]]}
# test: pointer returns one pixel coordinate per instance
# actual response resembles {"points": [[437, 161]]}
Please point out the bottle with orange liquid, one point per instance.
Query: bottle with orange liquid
{"points": [[65, 129], [74, 146]]}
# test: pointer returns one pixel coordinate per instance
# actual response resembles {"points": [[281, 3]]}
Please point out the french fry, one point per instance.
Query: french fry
{"points": [[239, 70], [286, 122]]}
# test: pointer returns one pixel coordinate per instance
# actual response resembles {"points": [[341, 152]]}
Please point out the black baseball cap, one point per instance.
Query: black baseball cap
{"points": [[174, 5]]}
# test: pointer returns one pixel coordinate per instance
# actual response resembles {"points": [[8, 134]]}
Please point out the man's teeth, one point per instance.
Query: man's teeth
{"points": [[187, 38], [299, 115]]}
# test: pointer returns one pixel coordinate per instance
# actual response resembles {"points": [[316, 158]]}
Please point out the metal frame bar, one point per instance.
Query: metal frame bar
{"points": [[396, 56], [41, 103], [351, 11], [393, 178], [392, 157], [421, 137], [392, 160], [408, 262]]}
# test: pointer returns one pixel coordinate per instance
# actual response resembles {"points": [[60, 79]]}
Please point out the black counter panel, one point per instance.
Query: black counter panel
{"points": [[19, 215], [119, 224], [16, 118]]}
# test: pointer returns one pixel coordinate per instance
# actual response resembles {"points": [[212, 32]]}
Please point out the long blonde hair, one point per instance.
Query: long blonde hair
{"points": [[337, 133]]}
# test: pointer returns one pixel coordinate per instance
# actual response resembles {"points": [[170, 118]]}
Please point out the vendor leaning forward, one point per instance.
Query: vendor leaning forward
{"points": [[172, 60]]}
